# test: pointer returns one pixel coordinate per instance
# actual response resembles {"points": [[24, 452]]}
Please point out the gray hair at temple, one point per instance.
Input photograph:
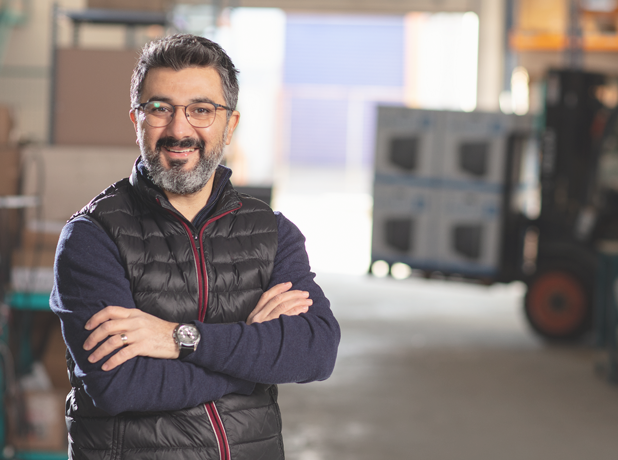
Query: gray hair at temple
{"points": [[180, 52]]}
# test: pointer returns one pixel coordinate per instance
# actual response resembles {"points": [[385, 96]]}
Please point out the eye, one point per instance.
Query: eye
{"points": [[201, 110], [158, 108]]}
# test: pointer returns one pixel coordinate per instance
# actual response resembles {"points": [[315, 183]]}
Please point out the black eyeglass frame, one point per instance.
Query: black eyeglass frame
{"points": [[217, 106]]}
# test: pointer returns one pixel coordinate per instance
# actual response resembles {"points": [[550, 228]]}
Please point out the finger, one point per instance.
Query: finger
{"points": [[285, 298], [266, 309], [296, 311], [111, 312], [272, 292], [108, 329], [109, 346], [267, 296], [289, 308], [123, 355]]}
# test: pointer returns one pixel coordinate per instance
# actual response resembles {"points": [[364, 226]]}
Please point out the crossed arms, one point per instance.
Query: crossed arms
{"points": [[287, 340], [151, 336]]}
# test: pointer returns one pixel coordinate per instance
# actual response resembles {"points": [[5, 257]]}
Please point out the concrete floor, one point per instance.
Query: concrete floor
{"points": [[429, 369], [435, 370]]}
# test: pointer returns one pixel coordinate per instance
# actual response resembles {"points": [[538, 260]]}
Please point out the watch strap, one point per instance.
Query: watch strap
{"points": [[185, 351]]}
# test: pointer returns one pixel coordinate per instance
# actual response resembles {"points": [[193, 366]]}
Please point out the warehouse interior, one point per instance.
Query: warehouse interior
{"points": [[453, 165]]}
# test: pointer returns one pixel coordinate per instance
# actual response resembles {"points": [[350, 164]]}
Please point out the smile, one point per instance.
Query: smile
{"points": [[181, 151]]}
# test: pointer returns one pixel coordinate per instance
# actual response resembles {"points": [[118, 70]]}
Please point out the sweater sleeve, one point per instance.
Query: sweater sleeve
{"points": [[88, 277], [299, 348]]}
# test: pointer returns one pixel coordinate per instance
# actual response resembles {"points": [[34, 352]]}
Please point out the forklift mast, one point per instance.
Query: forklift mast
{"points": [[559, 299], [568, 164]]}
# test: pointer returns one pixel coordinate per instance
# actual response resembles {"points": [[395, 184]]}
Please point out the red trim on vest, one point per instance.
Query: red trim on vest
{"points": [[219, 430], [198, 266]]}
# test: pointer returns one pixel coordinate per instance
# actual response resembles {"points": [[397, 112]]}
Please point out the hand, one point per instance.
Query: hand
{"points": [[146, 335], [279, 300]]}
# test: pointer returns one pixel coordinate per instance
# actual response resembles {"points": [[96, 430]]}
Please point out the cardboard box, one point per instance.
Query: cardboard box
{"points": [[468, 228], [548, 16], [402, 225], [73, 175], [9, 172], [407, 141], [6, 124], [475, 147], [33, 261], [54, 356], [35, 250], [78, 72], [42, 426]]}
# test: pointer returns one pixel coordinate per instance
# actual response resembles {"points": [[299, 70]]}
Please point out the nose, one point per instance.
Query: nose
{"points": [[180, 127]]}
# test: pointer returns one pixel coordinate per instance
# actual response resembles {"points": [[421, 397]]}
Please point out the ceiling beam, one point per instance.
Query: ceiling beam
{"points": [[365, 6]]}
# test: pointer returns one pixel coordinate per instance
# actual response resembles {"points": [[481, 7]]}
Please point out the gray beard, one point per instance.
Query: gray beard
{"points": [[175, 179]]}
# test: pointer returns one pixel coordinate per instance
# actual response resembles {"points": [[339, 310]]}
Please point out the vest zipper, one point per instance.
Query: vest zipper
{"points": [[117, 438], [197, 254], [202, 279], [200, 262], [219, 429]]}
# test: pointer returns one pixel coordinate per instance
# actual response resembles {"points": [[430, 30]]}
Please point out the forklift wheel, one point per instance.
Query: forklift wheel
{"points": [[558, 305]]}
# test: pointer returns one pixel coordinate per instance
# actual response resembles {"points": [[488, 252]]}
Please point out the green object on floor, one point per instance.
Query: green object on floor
{"points": [[28, 300], [41, 456]]}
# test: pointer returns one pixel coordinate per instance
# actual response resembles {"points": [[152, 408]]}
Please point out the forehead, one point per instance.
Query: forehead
{"points": [[183, 86]]}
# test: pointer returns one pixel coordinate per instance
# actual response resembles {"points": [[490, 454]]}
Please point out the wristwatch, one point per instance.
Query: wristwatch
{"points": [[186, 336]]}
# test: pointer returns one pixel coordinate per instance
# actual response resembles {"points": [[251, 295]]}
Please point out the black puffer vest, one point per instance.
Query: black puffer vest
{"points": [[179, 273]]}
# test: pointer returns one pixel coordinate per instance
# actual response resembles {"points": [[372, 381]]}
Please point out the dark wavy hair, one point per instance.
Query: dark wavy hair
{"points": [[179, 52]]}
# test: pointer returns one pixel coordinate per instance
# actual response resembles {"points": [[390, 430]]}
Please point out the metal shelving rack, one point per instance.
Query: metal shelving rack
{"points": [[17, 301], [25, 301]]}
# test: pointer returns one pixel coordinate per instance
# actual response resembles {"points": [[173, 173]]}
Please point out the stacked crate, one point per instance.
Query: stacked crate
{"points": [[473, 157], [404, 188], [438, 189]]}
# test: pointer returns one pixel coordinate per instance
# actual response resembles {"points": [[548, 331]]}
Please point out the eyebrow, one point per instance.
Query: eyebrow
{"points": [[169, 101]]}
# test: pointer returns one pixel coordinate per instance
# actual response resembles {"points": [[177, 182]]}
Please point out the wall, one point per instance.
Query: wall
{"points": [[25, 72]]}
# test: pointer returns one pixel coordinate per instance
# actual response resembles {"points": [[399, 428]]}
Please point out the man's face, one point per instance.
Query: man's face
{"points": [[180, 158]]}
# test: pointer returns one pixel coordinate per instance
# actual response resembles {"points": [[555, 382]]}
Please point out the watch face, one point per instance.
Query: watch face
{"points": [[188, 335]]}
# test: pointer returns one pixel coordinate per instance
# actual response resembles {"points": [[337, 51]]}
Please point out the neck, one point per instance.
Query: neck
{"points": [[189, 205]]}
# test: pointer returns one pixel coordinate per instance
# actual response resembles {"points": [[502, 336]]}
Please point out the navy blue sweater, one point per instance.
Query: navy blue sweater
{"points": [[230, 358]]}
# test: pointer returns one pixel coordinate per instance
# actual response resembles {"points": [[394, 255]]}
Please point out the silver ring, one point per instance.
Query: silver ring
{"points": [[124, 339]]}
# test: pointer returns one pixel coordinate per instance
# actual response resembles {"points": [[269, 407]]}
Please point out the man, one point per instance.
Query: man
{"points": [[183, 303]]}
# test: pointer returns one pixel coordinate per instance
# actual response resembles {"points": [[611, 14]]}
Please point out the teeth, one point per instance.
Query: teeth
{"points": [[181, 151]]}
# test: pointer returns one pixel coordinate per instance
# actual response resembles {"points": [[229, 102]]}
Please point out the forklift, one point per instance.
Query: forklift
{"points": [[579, 205]]}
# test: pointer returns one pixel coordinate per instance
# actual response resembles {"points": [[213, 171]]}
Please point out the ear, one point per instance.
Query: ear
{"points": [[232, 123], [133, 118]]}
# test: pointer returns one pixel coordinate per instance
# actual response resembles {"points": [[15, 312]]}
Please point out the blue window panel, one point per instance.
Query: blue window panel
{"points": [[370, 126], [318, 132], [338, 50]]}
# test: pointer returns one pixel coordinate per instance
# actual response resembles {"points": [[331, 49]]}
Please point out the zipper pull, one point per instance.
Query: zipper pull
{"points": [[197, 241]]}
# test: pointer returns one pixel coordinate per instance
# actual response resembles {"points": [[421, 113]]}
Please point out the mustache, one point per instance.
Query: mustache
{"points": [[185, 143]]}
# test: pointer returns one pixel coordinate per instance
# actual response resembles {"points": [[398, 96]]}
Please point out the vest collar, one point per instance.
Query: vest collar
{"points": [[223, 198]]}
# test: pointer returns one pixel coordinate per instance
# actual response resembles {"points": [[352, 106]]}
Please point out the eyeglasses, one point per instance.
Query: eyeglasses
{"points": [[199, 114]]}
